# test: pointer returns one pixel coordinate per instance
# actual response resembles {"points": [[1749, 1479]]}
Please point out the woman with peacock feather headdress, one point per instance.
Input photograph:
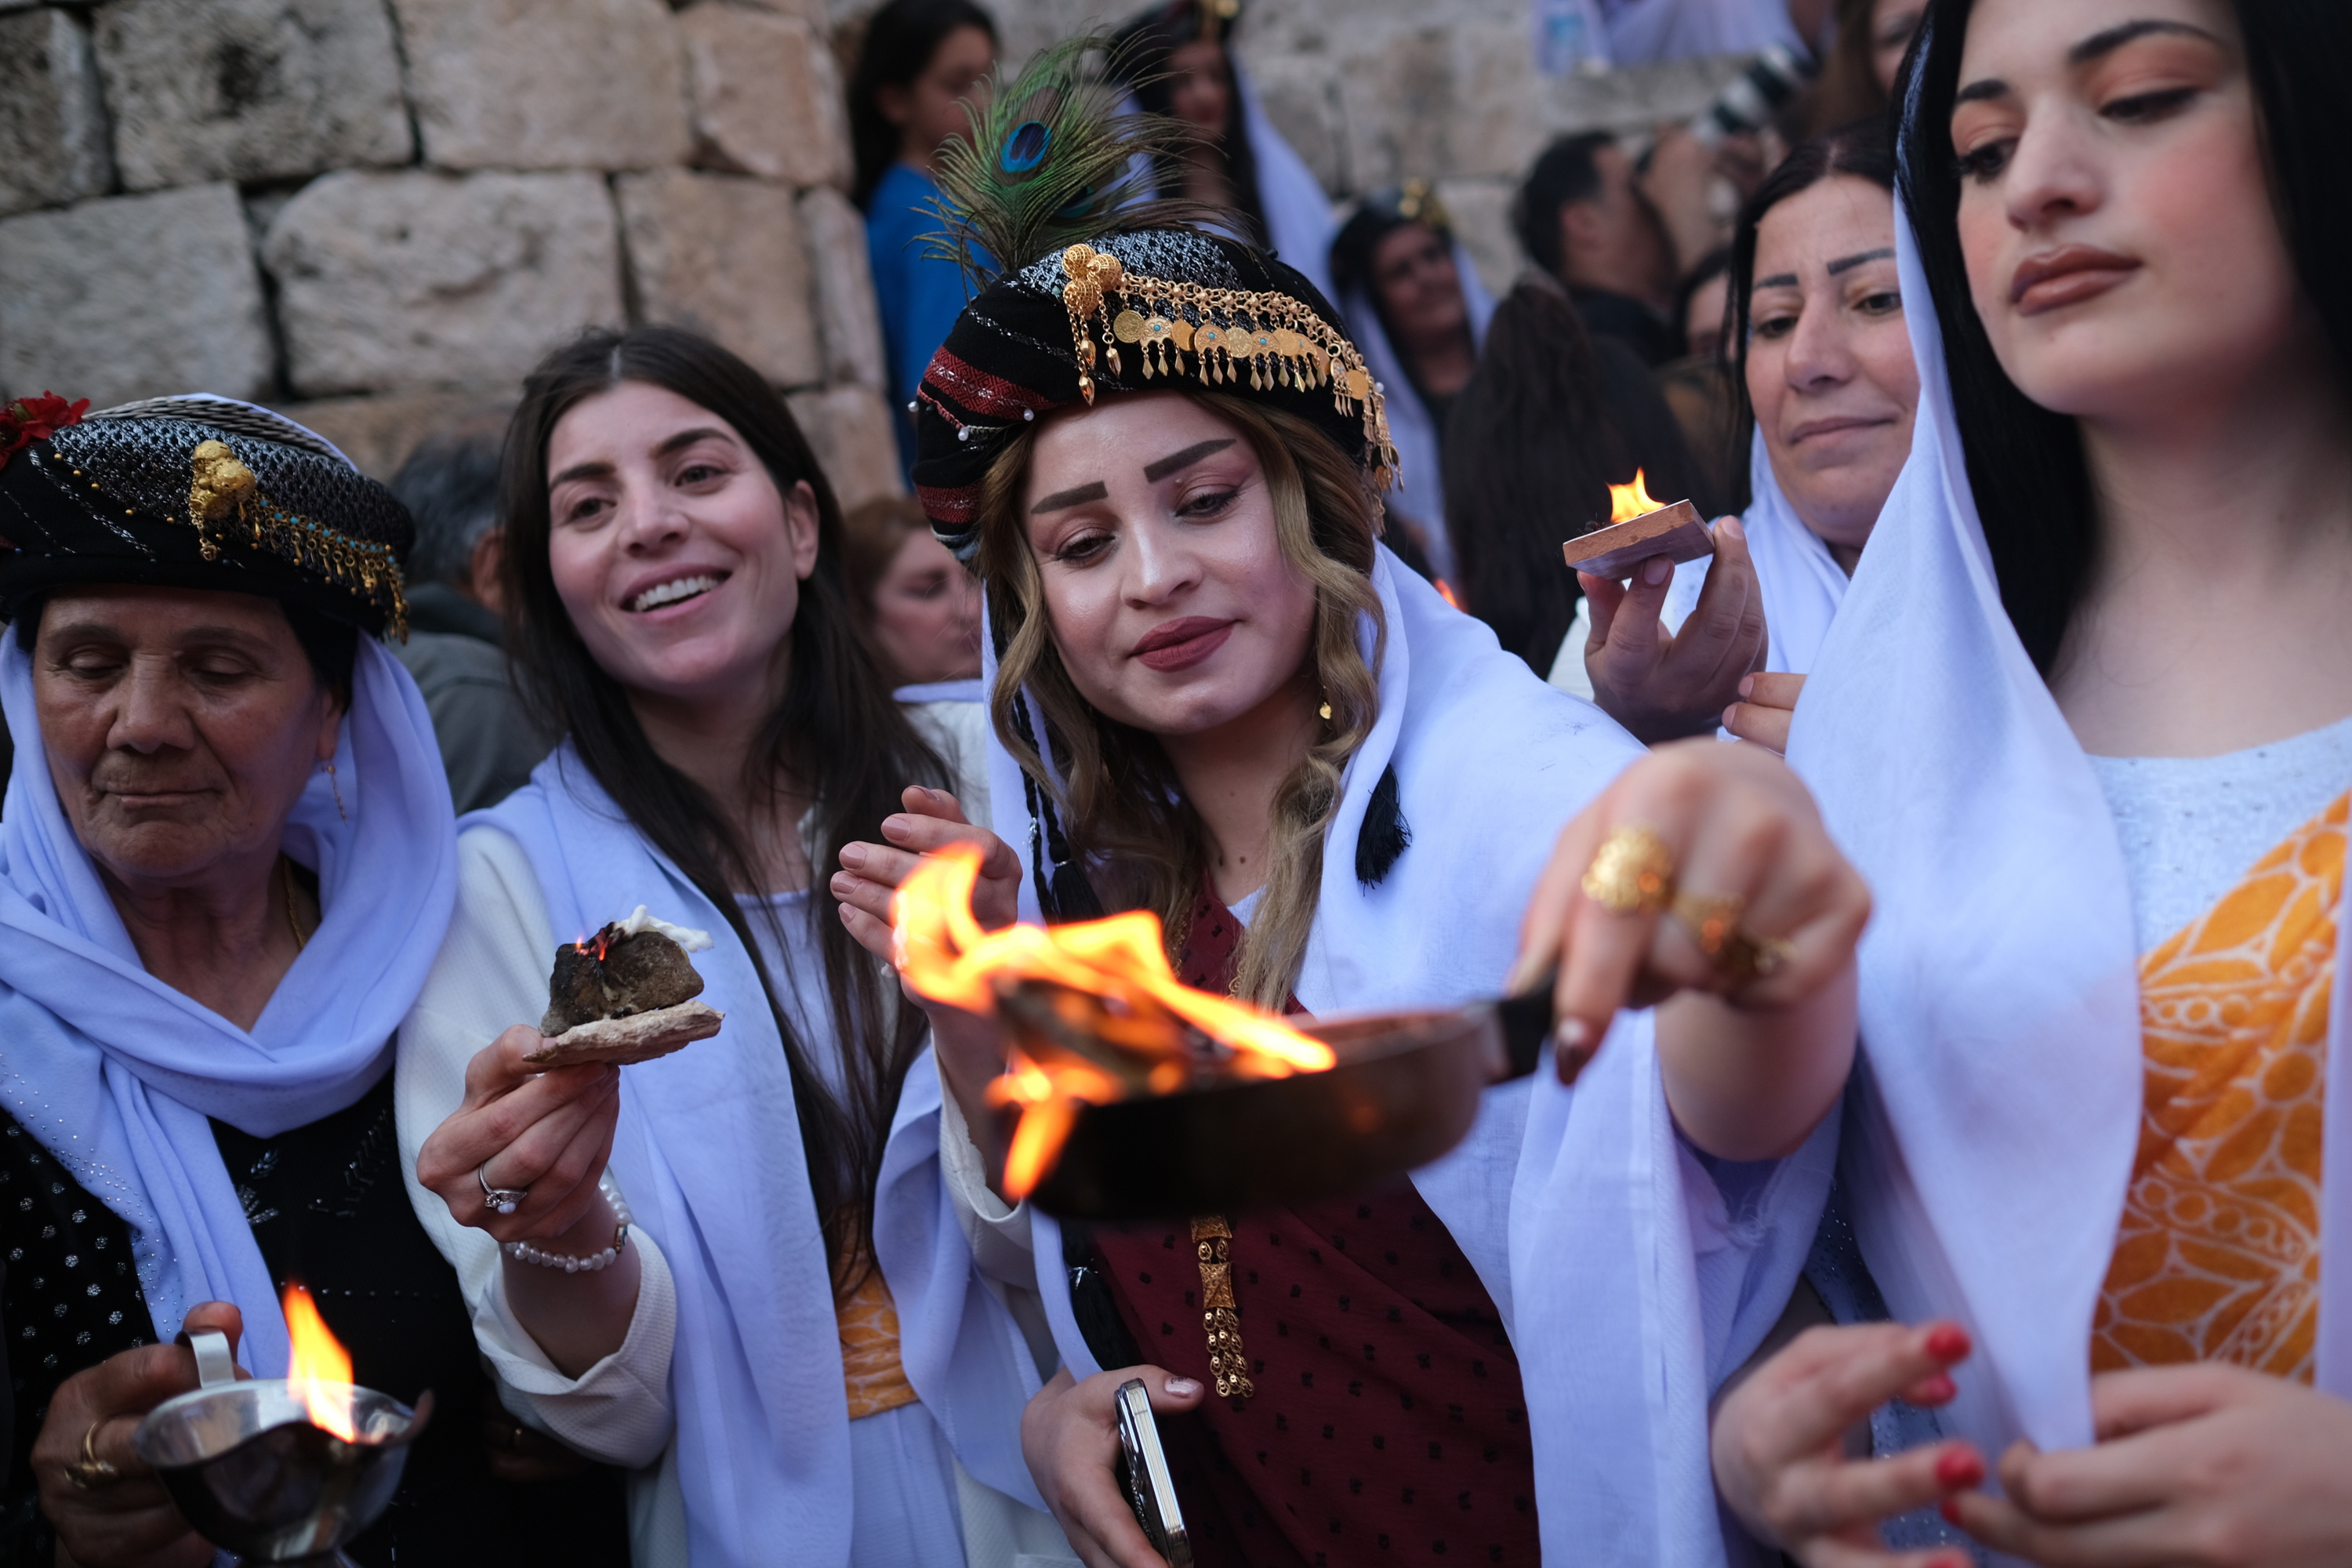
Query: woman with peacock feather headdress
{"points": [[1215, 695]]}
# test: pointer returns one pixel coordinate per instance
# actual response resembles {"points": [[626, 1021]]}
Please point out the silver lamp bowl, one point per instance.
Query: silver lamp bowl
{"points": [[251, 1473]]}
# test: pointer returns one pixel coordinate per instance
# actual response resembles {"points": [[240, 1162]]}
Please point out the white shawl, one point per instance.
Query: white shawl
{"points": [[1803, 583], [116, 1073], [1627, 1287], [2000, 1100]]}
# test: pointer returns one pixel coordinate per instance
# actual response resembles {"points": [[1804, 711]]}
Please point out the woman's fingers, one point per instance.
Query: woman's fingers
{"points": [[1766, 727], [1828, 1551], [1832, 1495], [936, 803], [1772, 688]]}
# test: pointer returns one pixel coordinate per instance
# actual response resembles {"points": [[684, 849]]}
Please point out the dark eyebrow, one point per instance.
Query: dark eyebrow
{"points": [[1976, 91], [677, 443], [1077, 495], [1190, 454], [1848, 263], [2115, 37], [1778, 281]]}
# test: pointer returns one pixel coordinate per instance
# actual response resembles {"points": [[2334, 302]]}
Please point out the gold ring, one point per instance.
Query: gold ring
{"points": [[1740, 957], [92, 1472], [1633, 872]]}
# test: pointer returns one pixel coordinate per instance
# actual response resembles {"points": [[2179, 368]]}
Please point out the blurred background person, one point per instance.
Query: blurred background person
{"points": [[1583, 217], [1179, 61], [456, 648], [919, 62], [1699, 387], [917, 607], [1552, 418], [1413, 303], [1857, 78], [918, 610]]}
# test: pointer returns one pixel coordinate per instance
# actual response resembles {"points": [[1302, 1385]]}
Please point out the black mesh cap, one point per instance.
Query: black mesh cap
{"points": [[199, 492]]}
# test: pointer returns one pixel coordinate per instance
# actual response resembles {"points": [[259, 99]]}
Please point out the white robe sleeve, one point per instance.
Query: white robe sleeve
{"points": [[490, 975]]}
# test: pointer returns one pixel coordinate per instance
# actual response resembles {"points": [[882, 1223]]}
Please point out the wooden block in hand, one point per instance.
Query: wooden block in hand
{"points": [[1674, 531]]}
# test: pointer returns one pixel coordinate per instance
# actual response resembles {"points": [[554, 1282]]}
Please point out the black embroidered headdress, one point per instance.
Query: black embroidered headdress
{"points": [[196, 492], [1106, 295]]}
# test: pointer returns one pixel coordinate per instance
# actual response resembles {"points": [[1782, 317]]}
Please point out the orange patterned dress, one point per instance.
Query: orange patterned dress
{"points": [[2217, 1255], [870, 1368]]}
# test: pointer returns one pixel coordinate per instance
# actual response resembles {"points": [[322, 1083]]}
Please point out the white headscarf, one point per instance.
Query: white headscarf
{"points": [[709, 1149], [116, 1073], [2000, 1102], [1803, 583], [1420, 489], [1628, 1287]]}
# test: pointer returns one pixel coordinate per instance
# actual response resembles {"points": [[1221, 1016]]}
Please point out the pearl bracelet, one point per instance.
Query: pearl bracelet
{"points": [[524, 1252]]}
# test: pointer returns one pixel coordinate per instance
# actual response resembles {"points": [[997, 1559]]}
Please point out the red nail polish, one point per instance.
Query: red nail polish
{"points": [[1947, 1341], [1950, 1509], [1959, 1467], [1936, 1390]]}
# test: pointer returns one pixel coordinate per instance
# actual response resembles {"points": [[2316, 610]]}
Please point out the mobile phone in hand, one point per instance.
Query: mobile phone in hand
{"points": [[1143, 1468]]}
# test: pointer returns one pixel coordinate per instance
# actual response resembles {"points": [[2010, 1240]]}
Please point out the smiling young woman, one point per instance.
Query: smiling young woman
{"points": [[674, 565], [2110, 589], [1217, 696]]}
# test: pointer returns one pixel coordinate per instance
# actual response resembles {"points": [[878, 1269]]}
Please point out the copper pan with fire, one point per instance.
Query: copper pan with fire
{"points": [[1129, 1095]]}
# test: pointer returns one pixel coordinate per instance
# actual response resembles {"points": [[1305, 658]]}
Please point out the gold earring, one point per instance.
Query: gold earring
{"points": [[336, 784], [1325, 711]]}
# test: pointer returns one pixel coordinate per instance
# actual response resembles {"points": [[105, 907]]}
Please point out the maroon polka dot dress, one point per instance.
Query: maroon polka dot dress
{"points": [[1387, 1423]]}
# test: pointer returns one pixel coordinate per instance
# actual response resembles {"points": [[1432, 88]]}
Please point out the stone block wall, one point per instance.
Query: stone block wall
{"points": [[378, 214]]}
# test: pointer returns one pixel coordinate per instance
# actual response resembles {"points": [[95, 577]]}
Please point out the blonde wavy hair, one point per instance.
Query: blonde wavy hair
{"points": [[1129, 823]]}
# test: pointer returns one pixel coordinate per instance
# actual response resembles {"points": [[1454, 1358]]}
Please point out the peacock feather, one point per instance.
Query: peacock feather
{"points": [[1052, 162]]}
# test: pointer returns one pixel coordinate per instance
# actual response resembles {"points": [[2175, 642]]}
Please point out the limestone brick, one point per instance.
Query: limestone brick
{"points": [[378, 432], [766, 95], [133, 296], [847, 321], [849, 429], [546, 84], [396, 279], [723, 257], [250, 89], [53, 143]]}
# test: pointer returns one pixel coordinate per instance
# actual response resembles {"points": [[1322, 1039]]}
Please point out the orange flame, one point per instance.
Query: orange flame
{"points": [[1446, 592], [1627, 502], [947, 957], [320, 1371]]}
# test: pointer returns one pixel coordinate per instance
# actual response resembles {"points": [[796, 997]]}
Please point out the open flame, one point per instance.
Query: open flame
{"points": [[946, 957], [597, 945], [1627, 502], [320, 1370], [1446, 592]]}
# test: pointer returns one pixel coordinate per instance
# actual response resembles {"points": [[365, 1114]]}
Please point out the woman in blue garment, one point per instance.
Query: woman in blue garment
{"points": [[921, 60]]}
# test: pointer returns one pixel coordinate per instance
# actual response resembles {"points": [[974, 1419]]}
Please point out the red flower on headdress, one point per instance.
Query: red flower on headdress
{"points": [[31, 419]]}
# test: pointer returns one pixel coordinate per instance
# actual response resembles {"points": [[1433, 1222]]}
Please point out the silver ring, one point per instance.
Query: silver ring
{"points": [[504, 1200]]}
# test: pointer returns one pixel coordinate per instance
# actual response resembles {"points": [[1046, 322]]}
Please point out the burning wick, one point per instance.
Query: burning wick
{"points": [[320, 1371], [947, 957], [1627, 502]]}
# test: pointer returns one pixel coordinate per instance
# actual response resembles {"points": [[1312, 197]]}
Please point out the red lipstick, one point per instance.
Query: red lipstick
{"points": [[1181, 644], [2066, 276]]}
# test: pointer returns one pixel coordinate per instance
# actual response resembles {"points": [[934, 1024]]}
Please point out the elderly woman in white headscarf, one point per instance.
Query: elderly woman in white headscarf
{"points": [[227, 859]]}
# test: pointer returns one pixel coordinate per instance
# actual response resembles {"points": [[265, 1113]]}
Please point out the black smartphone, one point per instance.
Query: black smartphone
{"points": [[1143, 1468]]}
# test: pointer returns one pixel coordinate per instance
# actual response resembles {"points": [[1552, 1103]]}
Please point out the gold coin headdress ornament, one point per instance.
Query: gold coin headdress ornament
{"points": [[1112, 288], [197, 492]]}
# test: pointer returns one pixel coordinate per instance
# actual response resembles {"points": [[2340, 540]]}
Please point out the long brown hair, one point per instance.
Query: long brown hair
{"points": [[837, 734], [1129, 821]]}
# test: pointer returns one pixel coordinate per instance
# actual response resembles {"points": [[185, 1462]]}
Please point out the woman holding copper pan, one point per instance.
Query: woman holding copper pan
{"points": [[225, 859], [1216, 697], [2105, 1022]]}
